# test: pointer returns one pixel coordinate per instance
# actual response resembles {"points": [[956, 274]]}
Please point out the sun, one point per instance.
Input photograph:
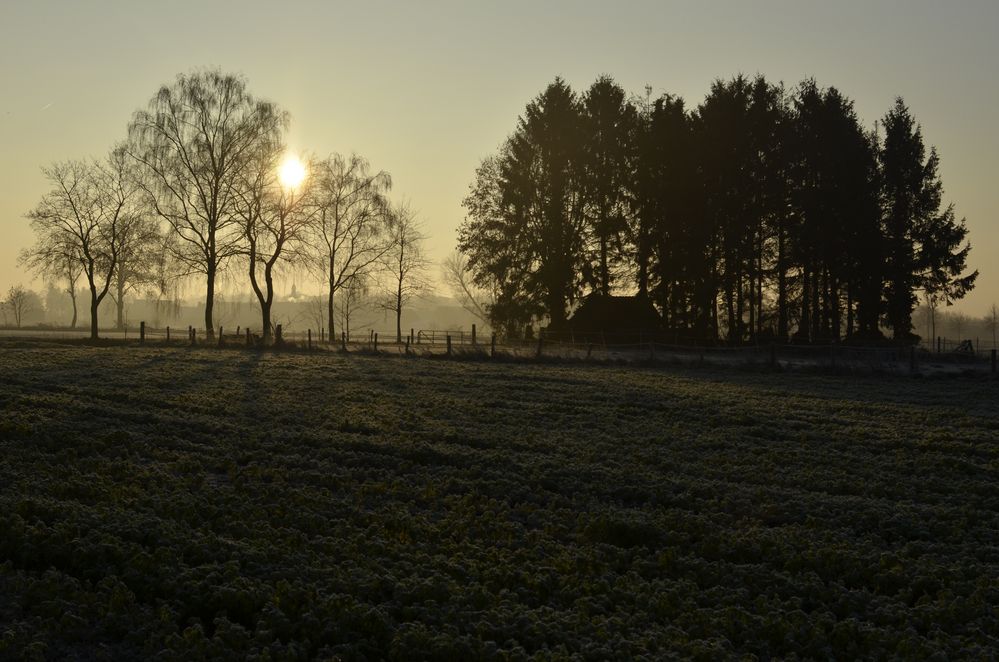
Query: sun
{"points": [[291, 172]]}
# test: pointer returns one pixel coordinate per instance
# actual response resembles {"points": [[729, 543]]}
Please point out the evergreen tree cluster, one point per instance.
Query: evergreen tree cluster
{"points": [[763, 213]]}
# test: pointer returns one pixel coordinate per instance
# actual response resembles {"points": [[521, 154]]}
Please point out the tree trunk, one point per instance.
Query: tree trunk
{"points": [[816, 306], [829, 287], [72, 297], [781, 289], [715, 328], [604, 269], [120, 304], [556, 311], [94, 303], [643, 263], [265, 321], [329, 302], [759, 288], [849, 310], [398, 314], [264, 299], [739, 307], [835, 312], [729, 306], [265, 304], [804, 325], [210, 304], [711, 302]]}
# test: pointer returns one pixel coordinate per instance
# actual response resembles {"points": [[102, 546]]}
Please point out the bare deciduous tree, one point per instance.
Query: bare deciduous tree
{"points": [[316, 311], [91, 208], [960, 323], [60, 262], [273, 215], [352, 297], [404, 263], [993, 322], [475, 300], [18, 302], [347, 234], [165, 273], [196, 141], [137, 263]]}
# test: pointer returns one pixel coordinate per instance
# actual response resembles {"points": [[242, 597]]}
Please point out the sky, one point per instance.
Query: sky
{"points": [[425, 90]]}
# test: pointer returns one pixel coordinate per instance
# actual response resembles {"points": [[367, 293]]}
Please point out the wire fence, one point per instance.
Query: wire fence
{"points": [[940, 356]]}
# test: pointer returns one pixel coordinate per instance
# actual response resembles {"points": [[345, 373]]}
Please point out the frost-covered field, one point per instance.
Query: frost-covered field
{"points": [[197, 504]]}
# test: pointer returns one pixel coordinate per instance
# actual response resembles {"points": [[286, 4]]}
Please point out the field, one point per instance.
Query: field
{"points": [[200, 504]]}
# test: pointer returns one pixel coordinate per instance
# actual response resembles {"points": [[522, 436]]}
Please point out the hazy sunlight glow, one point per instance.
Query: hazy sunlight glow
{"points": [[291, 172]]}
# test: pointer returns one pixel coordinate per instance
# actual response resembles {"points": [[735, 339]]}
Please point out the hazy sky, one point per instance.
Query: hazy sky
{"points": [[426, 89]]}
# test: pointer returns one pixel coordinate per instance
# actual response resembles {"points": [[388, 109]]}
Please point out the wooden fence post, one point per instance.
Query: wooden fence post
{"points": [[142, 333], [239, 330], [374, 339], [939, 344], [407, 345], [221, 337], [168, 334], [411, 336], [310, 340], [492, 345], [194, 335], [449, 344], [473, 334]]}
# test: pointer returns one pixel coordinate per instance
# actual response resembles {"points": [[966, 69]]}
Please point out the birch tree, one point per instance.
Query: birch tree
{"points": [[195, 142], [274, 215], [405, 263], [348, 231], [57, 261]]}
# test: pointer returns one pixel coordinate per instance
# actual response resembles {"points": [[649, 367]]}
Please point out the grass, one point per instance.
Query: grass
{"points": [[193, 504]]}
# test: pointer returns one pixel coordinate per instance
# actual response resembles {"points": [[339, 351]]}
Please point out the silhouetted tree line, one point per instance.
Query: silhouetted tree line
{"points": [[195, 190], [763, 213]]}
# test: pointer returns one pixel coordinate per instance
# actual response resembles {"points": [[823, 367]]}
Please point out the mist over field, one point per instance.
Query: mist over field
{"points": [[572, 331]]}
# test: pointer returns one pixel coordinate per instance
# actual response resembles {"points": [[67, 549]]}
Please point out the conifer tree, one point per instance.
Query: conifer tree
{"points": [[609, 121], [925, 244]]}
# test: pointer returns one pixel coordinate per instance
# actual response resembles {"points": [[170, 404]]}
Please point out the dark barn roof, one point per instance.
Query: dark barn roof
{"points": [[615, 315]]}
